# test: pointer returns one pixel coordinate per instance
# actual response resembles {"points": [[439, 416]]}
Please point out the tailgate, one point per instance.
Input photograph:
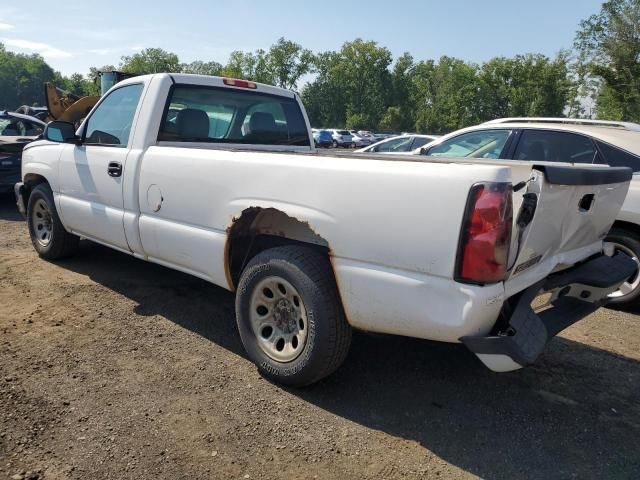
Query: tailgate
{"points": [[565, 213]]}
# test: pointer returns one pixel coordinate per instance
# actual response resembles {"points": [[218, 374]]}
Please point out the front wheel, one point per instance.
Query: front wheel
{"points": [[290, 317], [627, 242], [48, 235]]}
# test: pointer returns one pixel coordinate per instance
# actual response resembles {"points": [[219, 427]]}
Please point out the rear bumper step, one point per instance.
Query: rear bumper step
{"points": [[575, 293]]}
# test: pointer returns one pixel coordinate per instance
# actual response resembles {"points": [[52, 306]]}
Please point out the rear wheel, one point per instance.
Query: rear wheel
{"points": [[335, 144], [290, 317], [627, 242], [47, 233]]}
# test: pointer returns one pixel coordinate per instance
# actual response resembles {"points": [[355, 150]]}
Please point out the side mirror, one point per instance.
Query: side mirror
{"points": [[61, 132]]}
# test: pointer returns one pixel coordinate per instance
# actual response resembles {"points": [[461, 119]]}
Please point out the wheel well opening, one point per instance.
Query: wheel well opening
{"points": [[628, 226], [31, 180], [258, 229]]}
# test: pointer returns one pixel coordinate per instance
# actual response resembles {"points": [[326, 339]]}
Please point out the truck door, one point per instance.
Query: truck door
{"points": [[91, 173]]}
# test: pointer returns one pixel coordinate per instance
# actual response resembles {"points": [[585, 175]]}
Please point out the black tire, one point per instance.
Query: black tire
{"points": [[335, 144], [628, 242], [329, 335], [61, 243]]}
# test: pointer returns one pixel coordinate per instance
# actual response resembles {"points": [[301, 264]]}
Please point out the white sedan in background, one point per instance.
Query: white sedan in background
{"points": [[360, 140], [401, 144]]}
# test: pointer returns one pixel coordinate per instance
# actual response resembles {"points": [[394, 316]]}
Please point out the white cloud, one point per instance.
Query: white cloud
{"points": [[6, 26], [100, 51], [47, 51], [136, 48]]}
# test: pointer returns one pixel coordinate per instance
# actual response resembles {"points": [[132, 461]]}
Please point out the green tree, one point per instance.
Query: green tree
{"points": [[287, 62], [525, 86], [445, 95], [609, 42], [76, 84], [352, 86], [151, 60], [249, 66], [363, 71], [21, 79], [325, 98], [202, 68], [402, 117], [94, 72], [392, 120]]}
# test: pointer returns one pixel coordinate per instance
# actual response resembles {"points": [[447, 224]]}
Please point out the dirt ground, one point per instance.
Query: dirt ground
{"points": [[113, 368]]}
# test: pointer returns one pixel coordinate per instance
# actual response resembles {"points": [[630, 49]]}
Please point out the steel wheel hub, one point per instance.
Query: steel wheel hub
{"points": [[42, 223], [278, 319], [632, 283]]}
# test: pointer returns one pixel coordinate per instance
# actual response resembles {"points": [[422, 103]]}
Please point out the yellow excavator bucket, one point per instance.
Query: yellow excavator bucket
{"points": [[78, 110], [66, 106]]}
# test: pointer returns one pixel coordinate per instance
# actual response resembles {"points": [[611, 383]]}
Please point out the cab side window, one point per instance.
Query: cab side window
{"points": [[478, 144], [554, 146], [111, 122]]}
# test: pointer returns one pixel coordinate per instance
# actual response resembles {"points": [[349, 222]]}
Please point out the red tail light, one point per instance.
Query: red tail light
{"points": [[486, 234], [234, 82]]}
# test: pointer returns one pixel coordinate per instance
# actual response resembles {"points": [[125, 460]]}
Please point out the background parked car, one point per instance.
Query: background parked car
{"points": [[322, 138], [367, 134], [566, 141], [342, 138], [16, 131], [401, 144], [384, 136], [38, 112], [359, 140]]}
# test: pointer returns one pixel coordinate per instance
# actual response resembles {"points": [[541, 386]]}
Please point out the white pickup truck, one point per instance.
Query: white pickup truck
{"points": [[218, 178]]}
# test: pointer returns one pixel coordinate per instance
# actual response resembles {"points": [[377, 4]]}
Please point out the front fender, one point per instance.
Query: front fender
{"points": [[42, 161]]}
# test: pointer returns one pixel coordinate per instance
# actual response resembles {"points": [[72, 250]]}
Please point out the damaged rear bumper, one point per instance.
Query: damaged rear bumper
{"points": [[520, 335]]}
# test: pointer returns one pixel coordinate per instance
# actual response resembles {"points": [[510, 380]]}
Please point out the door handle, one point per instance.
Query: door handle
{"points": [[114, 169]]}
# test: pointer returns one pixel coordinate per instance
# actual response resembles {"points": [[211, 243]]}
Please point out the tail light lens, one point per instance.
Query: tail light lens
{"points": [[486, 234], [234, 82]]}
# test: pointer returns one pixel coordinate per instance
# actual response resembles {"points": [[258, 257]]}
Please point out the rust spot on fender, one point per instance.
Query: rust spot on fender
{"points": [[241, 226]]}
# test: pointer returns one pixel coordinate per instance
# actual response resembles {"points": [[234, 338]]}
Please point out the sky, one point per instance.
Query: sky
{"points": [[75, 35]]}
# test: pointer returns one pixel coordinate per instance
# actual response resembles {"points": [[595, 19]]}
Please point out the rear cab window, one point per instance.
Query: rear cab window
{"points": [[226, 115]]}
